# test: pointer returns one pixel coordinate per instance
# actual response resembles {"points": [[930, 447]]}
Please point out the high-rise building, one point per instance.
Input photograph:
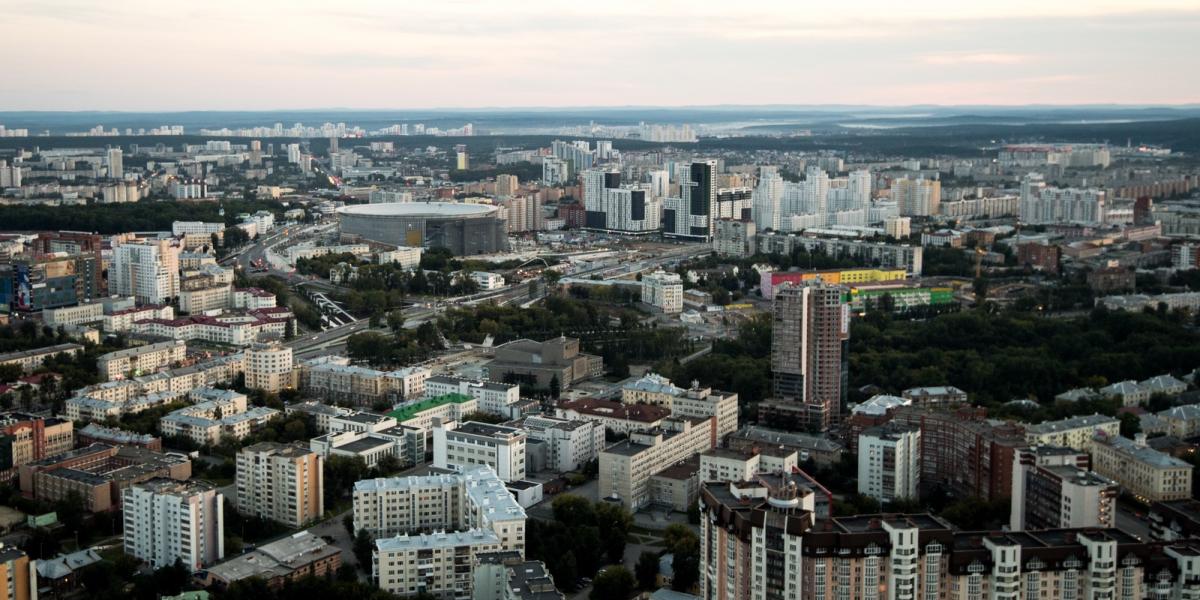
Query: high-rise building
{"points": [[735, 237], [148, 271], [280, 482], [889, 462], [917, 197], [1052, 488], [462, 162], [116, 164], [660, 183], [897, 227], [690, 215], [1040, 203], [293, 154], [18, 576], [808, 356], [506, 184], [767, 199], [168, 520]]}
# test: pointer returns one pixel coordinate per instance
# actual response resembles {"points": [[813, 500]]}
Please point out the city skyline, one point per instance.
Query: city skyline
{"points": [[367, 55]]}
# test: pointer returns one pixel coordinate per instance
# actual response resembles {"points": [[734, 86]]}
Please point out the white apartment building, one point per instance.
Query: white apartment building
{"points": [[1044, 204], [140, 360], [167, 520], [1052, 488], [627, 466], [148, 271], [269, 367], [82, 314], [216, 414], [123, 319], [487, 281], [405, 256], [252, 299], [284, 483], [437, 563], [179, 228], [237, 330], [569, 444], [889, 462], [722, 464], [663, 291], [695, 402], [462, 446], [199, 300], [897, 227], [494, 397]]}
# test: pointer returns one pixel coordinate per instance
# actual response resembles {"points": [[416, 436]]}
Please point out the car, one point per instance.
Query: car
{"points": [[314, 337]]}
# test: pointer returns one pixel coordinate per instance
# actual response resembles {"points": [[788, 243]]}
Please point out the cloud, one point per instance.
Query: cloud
{"points": [[975, 58]]}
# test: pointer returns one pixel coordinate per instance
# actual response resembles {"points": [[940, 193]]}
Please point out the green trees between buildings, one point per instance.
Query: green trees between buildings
{"points": [[583, 537]]}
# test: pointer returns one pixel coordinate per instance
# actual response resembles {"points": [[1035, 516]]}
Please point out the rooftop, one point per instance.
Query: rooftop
{"points": [[441, 539], [1142, 453], [277, 558], [405, 413], [643, 413], [1068, 424]]}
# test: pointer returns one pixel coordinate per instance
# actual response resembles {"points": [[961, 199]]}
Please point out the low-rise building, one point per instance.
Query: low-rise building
{"points": [[1181, 421], [695, 401], [1073, 432], [283, 561], [269, 367], [614, 416], [823, 451], [25, 438], [216, 415], [167, 521], [29, 360], [663, 292], [493, 397], [93, 433], [141, 360], [935, 395], [98, 473], [1146, 473], [627, 466], [1130, 393], [506, 575], [487, 281], [334, 379]]}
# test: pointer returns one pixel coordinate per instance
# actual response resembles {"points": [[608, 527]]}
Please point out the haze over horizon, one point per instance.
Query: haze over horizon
{"points": [[367, 55]]}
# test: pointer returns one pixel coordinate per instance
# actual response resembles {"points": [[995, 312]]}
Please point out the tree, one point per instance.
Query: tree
{"points": [[555, 386], [616, 583], [289, 329], [572, 510], [647, 570], [684, 545], [348, 523], [364, 546], [1131, 425]]}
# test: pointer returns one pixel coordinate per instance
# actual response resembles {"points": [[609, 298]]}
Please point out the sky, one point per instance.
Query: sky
{"points": [[165, 55]]}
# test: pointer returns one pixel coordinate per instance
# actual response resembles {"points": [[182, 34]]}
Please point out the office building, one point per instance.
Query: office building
{"points": [[567, 445], [1052, 488], [627, 466], [493, 397], [663, 292], [1150, 475], [141, 360], [280, 482], [148, 271], [889, 462], [269, 367], [461, 446], [167, 521], [810, 333]]}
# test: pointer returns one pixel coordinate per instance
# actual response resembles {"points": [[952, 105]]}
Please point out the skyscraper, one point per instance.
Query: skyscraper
{"points": [[810, 329], [767, 198], [116, 164], [690, 215]]}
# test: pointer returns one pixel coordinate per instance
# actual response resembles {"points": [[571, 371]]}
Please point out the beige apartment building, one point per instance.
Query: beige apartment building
{"points": [[1075, 433], [281, 482], [626, 467], [269, 367], [1143, 471], [141, 360]]}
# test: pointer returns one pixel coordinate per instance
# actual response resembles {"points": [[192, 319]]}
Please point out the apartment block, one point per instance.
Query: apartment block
{"points": [[141, 360], [216, 415], [696, 401], [462, 446], [1053, 488], [962, 451], [627, 466], [1146, 473], [334, 379], [18, 577], [29, 360], [281, 482], [98, 473], [889, 462], [1075, 432], [167, 520], [25, 438], [269, 367]]}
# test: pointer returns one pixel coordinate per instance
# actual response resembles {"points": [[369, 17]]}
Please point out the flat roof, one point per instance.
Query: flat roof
{"points": [[407, 412], [419, 209]]}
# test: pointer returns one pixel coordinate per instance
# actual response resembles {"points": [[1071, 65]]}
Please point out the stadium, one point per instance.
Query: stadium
{"points": [[464, 229]]}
